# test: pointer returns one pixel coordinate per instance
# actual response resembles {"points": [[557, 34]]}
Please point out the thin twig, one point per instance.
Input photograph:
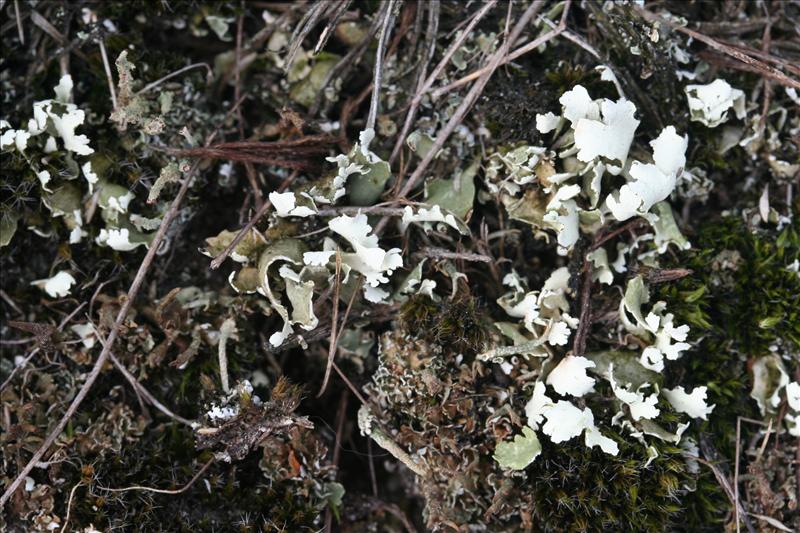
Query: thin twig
{"points": [[522, 50], [336, 211], [334, 318], [584, 322], [372, 477], [69, 505], [4, 295], [602, 239], [340, 418], [303, 28], [394, 510], [349, 384], [16, 368], [147, 395], [736, 470], [466, 104], [16, 342], [43, 24], [438, 253], [329, 28], [19, 23], [249, 169], [166, 491], [70, 316], [766, 40], [735, 53], [344, 65], [159, 81], [726, 487], [107, 68], [377, 78]]}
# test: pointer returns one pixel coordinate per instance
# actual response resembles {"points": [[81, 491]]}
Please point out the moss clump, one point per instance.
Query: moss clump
{"points": [[742, 300], [457, 413], [460, 324], [742, 303], [579, 489]]}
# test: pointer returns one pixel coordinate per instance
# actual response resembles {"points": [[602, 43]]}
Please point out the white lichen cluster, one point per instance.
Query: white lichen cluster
{"points": [[563, 190], [287, 273], [566, 191], [634, 382], [59, 156], [544, 313]]}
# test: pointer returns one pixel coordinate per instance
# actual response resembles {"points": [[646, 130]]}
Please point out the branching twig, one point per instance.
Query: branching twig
{"points": [[522, 50], [426, 85], [343, 66], [731, 51], [495, 61]]}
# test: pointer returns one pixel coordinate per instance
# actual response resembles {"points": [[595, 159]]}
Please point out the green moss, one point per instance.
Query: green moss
{"points": [[741, 291], [580, 489], [460, 323], [740, 302]]}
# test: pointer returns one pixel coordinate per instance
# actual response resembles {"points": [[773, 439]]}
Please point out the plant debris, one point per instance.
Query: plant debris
{"points": [[400, 266]]}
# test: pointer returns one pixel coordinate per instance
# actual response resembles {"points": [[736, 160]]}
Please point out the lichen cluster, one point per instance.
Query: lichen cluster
{"points": [[386, 266]]}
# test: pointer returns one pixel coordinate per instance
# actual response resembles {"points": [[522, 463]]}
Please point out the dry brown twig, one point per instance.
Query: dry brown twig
{"points": [[337, 283], [732, 494], [335, 339], [296, 154]]}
